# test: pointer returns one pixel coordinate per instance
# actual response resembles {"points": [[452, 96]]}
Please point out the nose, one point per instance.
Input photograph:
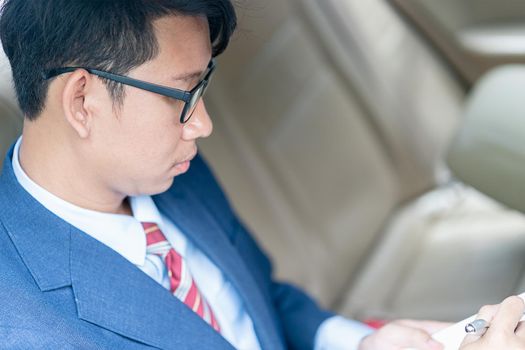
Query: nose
{"points": [[199, 125]]}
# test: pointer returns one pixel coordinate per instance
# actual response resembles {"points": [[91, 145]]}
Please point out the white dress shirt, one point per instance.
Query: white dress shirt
{"points": [[125, 235]]}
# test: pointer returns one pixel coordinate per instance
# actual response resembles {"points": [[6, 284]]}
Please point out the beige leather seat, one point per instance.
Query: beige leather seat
{"points": [[331, 122], [10, 115], [489, 149]]}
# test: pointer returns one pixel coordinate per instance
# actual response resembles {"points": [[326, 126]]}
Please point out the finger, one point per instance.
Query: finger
{"points": [[486, 313], [428, 326], [507, 317]]}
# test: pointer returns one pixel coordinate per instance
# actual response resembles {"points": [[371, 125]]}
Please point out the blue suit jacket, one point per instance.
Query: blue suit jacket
{"points": [[63, 289]]}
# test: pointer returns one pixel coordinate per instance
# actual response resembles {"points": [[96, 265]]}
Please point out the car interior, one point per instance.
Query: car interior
{"points": [[363, 142]]}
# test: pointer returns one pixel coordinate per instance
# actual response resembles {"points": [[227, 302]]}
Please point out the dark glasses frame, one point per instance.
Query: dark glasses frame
{"points": [[190, 98]]}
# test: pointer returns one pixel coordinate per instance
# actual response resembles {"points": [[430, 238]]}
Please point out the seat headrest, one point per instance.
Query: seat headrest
{"points": [[488, 151], [10, 115]]}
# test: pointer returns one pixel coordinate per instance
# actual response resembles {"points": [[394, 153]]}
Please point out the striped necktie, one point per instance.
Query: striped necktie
{"points": [[182, 284]]}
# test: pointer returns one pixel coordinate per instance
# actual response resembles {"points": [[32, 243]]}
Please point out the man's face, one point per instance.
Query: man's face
{"points": [[140, 147]]}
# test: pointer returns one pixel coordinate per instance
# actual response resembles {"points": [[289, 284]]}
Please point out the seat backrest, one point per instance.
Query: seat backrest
{"points": [[10, 115], [328, 115], [489, 149]]}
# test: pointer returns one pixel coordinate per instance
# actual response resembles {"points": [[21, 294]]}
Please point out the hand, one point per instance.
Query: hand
{"points": [[403, 334], [505, 331]]}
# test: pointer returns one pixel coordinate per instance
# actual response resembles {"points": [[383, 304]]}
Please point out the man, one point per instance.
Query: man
{"points": [[111, 92]]}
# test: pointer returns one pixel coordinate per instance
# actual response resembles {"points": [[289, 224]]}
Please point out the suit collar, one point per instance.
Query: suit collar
{"points": [[107, 228], [43, 240]]}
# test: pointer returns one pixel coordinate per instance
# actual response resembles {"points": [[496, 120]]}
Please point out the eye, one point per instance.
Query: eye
{"points": [[173, 102]]}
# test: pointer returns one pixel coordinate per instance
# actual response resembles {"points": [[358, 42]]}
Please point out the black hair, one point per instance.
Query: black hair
{"points": [[114, 35]]}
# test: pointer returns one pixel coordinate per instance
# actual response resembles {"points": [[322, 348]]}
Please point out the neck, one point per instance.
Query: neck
{"points": [[50, 161]]}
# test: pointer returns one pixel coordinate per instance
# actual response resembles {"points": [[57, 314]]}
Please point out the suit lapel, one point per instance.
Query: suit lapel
{"points": [[194, 219], [114, 294]]}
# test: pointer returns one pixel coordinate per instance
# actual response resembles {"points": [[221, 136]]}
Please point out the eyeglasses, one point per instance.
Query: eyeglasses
{"points": [[190, 98]]}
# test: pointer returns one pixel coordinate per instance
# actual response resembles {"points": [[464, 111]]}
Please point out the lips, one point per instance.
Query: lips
{"points": [[182, 167]]}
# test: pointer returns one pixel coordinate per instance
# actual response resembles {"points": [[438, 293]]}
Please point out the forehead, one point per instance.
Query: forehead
{"points": [[184, 42]]}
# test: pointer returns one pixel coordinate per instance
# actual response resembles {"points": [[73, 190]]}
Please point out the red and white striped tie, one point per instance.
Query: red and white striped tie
{"points": [[181, 282]]}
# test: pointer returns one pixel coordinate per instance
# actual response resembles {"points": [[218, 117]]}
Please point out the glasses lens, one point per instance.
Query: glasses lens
{"points": [[192, 103]]}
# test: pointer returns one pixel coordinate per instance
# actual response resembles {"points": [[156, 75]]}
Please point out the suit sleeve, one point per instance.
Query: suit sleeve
{"points": [[299, 314]]}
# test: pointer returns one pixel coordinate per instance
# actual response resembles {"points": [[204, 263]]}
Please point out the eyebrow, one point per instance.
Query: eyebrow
{"points": [[188, 76]]}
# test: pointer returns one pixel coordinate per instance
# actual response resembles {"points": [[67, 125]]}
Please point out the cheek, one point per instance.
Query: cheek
{"points": [[147, 116], [144, 132], [156, 141]]}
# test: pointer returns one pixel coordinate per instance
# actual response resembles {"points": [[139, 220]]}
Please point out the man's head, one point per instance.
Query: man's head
{"points": [[109, 35], [111, 137]]}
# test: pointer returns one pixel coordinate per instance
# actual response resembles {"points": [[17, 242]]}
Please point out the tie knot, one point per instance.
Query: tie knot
{"points": [[149, 226], [154, 236]]}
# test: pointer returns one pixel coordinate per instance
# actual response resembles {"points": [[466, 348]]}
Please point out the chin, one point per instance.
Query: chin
{"points": [[154, 188], [160, 188]]}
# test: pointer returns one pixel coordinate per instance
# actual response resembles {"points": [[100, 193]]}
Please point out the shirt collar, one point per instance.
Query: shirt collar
{"points": [[122, 233]]}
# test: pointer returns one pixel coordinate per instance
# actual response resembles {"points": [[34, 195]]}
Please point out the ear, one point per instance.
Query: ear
{"points": [[80, 117]]}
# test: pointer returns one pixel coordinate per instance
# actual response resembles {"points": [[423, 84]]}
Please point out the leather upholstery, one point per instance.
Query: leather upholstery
{"points": [[331, 126], [10, 116], [489, 149]]}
